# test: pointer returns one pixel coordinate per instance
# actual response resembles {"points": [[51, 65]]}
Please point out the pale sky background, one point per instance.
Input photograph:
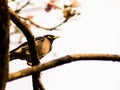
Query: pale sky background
{"points": [[96, 30]]}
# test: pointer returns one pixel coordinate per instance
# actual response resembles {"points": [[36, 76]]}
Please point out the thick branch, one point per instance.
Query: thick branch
{"points": [[4, 43], [61, 61], [27, 32], [30, 38]]}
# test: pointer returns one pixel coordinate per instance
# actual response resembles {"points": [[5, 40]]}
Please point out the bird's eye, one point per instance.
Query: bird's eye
{"points": [[49, 36]]}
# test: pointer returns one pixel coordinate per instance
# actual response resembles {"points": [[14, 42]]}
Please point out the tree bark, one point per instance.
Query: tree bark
{"points": [[4, 43], [61, 61], [37, 84]]}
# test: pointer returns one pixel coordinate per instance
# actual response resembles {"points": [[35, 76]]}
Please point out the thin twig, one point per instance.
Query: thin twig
{"points": [[27, 3], [54, 27], [49, 29]]}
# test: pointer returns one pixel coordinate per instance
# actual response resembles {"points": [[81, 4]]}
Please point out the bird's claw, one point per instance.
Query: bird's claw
{"points": [[29, 63]]}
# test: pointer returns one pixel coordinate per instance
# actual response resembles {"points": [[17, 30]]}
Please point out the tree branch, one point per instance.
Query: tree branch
{"points": [[61, 61], [45, 28], [4, 43], [27, 3], [31, 43]]}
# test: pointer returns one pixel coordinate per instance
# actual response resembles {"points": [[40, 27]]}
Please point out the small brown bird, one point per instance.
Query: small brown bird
{"points": [[43, 47]]}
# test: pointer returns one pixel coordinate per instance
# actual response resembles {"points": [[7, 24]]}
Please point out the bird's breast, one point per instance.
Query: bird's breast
{"points": [[44, 48]]}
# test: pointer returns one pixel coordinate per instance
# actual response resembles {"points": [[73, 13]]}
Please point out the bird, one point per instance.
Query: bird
{"points": [[43, 47]]}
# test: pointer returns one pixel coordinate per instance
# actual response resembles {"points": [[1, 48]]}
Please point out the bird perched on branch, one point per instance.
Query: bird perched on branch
{"points": [[43, 46]]}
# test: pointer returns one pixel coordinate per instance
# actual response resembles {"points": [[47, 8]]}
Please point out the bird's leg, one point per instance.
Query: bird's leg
{"points": [[29, 62]]}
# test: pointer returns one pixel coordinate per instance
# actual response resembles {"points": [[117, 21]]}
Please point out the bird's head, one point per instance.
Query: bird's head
{"points": [[51, 38]]}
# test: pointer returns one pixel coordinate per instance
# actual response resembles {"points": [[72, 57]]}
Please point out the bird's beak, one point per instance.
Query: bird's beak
{"points": [[56, 37]]}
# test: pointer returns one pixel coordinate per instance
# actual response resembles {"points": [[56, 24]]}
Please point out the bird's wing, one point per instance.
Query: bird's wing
{"points": [[39, 38], [26, 44], [23, 44], [22, 51]]}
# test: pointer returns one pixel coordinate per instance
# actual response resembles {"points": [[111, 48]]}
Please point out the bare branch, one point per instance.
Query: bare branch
{"points": [[61, 61], [68, 14], [30, 38], [27, 32], [45, 28], [27, 3]]}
